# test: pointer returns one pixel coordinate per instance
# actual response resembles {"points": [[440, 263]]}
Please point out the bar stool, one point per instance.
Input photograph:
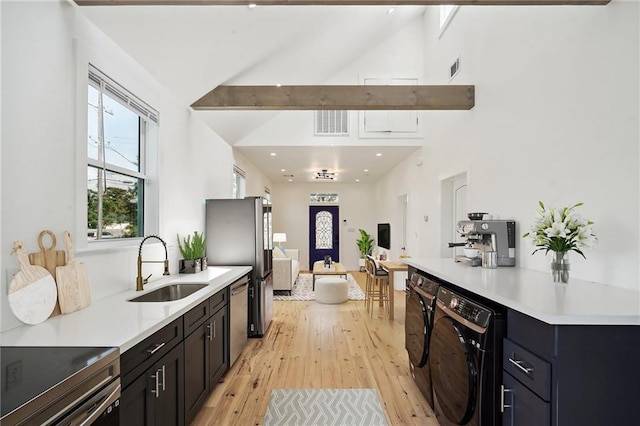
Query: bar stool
{"points": [[377, 285]]}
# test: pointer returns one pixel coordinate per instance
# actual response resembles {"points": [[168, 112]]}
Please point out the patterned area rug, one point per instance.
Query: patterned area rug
{"points": [[324, 407], [302, 289]]}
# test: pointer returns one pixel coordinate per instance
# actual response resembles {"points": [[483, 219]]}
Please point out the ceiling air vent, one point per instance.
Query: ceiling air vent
{"points": [[332, 123]]}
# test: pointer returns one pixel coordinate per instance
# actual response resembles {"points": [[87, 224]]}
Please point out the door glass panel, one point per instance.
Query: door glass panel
{"points": [[453, 371], [324, 231], [415, 329]]}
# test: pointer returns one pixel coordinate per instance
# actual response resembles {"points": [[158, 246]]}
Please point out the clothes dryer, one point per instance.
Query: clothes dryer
{"points": [[420, 306], [465, 360]]}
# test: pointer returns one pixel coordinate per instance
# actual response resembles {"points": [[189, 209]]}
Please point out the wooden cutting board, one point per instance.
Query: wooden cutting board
{"points": [[73, 283], [49, 258], [32, 292]]}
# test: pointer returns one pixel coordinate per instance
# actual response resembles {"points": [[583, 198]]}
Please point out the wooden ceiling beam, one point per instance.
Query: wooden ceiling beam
{"points": [[447, 97], [341, 2]]}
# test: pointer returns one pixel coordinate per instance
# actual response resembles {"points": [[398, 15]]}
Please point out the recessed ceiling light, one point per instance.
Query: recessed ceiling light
{"points": [[290, 180], [377, 155], [366, 170], [283, 170], [251, 5], [390, 11], [357, 180], [273, 154]]}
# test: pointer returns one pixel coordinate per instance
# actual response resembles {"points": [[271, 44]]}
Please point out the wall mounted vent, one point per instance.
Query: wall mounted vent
{"points": [[455, 68], [332, 123]]}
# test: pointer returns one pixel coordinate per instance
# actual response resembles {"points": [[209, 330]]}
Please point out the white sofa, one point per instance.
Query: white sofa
{"points": [[286, 268]]}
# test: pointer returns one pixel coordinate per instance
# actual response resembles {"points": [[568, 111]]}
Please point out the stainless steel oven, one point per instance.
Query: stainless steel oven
{"points": [[59, 386]]}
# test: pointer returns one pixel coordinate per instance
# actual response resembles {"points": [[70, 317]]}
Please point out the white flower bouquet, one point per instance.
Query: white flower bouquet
{"points": [[561, 230]]}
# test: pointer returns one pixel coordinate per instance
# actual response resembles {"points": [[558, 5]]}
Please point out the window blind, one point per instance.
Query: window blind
{"points": [[122, 95]]}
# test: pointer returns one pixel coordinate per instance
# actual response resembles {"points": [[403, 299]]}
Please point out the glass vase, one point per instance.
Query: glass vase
{"points": [[560, 266]]}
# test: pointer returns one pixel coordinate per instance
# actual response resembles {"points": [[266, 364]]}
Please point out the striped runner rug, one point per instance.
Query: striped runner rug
{"points": [[305, 407]]}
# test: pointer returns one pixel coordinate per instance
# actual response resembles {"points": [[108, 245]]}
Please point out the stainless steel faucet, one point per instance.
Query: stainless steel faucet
{"points": [[140, 282]]}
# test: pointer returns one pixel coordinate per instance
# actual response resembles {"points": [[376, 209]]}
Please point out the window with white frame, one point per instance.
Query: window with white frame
{"points": [[322, 198], [119, 133], [446, 14], [239, 183]]}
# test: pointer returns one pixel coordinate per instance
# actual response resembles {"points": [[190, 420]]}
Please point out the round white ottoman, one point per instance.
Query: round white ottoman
{"points": [[331, 290]]}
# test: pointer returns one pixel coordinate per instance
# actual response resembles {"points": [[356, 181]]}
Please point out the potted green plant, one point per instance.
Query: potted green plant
{"points": [[192, 249], [365, 243]]}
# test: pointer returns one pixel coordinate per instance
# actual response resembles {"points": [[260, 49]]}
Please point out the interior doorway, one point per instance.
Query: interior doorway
{"points": [[453, 192], [324, 233], [403, 204]]}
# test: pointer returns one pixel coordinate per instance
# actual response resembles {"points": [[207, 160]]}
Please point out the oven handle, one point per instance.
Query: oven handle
{"points": [[85, 413], [110, 399]]}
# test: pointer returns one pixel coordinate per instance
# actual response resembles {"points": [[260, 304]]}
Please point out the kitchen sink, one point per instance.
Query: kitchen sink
{"points": [[170, 292]]}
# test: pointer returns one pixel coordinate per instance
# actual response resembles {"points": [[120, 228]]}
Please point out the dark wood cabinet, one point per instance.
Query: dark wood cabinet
{"points": [[156, 397], [206, 359], [219, 346], [142, 356], [169, 406], [521, 406], [166, 379], [136, 402], [576, 374]]}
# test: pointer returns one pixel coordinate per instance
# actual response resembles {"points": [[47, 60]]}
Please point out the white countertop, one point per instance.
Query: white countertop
{"points": [[535, 294], [114, 321]]}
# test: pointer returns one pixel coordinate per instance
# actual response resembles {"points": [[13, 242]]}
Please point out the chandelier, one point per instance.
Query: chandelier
{"points": [[324, 174]]}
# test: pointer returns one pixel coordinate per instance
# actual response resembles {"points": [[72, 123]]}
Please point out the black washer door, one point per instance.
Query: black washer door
{"points": [[453, 369], [416, 328]]}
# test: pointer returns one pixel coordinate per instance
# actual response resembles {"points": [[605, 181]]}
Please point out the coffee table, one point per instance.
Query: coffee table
{"points": [[319, 270]]}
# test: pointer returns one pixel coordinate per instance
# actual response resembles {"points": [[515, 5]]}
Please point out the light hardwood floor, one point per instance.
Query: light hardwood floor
{"points": [[311, 345]]}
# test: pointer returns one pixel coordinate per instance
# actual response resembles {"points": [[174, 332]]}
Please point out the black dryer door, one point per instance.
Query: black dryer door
{"points": [[454, 372], [416, 328]]}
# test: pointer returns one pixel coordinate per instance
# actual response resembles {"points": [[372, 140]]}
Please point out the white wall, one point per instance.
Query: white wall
{"points": [[556, 119], [40, 144], [256, 180], [291, 215], [401, 55], [398, 56]]}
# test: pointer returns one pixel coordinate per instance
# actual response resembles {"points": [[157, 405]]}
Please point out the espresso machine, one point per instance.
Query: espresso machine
{"points": [[487, 237]]}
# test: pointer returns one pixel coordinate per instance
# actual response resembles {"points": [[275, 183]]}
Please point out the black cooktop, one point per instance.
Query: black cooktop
{"points": [[31, 371]]}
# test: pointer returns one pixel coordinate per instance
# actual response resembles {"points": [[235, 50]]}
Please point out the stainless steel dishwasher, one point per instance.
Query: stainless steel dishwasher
{"points": [[239, 313]]}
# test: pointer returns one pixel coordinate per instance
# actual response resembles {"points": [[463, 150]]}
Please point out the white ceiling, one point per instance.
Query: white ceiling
{"points": [[193, 49], [348, 162]]}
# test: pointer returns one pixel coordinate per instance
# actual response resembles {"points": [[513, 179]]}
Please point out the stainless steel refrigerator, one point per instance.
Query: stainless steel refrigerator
{"points": [[238, 232]]}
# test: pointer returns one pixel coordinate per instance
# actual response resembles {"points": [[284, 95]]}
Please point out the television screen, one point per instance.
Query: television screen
{"points": [[384, 236]]}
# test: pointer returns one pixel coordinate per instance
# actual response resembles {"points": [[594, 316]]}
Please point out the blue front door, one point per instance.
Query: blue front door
{"points": [[324, 234]]}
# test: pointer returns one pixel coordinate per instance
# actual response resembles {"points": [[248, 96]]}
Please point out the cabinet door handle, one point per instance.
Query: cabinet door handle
{"points": [[214, 329], [518, 364], [210, 331], [163, 375], [504, 390], [157, 379], [156, 348]]}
